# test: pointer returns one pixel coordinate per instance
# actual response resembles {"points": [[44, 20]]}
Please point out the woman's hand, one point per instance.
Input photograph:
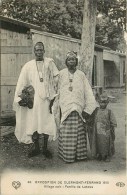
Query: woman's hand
{"points": [[85, 115]]}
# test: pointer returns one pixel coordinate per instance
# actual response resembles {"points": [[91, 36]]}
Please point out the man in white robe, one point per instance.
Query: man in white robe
{"points": [[42, 74]]}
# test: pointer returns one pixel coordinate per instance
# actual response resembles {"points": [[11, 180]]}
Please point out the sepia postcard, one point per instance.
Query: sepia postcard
{"points": [[43, 171]]}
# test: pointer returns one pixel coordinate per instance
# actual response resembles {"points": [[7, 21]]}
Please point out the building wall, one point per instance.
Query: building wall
{"points": [[56, 46], [111, 74], [16, 50], [122, 71], [113, 68]]}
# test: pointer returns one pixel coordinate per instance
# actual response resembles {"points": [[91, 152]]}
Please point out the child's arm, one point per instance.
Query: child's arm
{"points": [[113, 124], [112, 129]]}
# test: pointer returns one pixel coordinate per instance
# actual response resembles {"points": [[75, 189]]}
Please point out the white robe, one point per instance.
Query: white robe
{"points": [[38, 118], [80, 99]]}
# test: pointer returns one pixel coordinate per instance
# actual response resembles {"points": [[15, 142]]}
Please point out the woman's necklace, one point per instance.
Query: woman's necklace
{"points": [[71, 77], [40, 73]]}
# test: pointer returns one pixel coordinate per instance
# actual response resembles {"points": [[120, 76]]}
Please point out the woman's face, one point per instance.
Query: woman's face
{"points": [[71, 62]]}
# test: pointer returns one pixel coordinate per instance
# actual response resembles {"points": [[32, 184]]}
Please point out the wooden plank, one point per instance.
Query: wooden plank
{"points": [[7, 97], [61, 37], [8, 65], [5, 130], [20, 23], [3, 34], [29, 42], [15, 38], [8, 120], [7, 114], [8, 81], [16, 49], [10, 38], [11, 64], [4, 67], [3, 42]]}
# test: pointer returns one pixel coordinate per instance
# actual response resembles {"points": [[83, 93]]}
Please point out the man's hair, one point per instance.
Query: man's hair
{"points": [[39, 43]]}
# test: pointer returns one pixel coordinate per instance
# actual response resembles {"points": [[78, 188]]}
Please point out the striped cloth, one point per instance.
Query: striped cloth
{"points": [[72, 142]]}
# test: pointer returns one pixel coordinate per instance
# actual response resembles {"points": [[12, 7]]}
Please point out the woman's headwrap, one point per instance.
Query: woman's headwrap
{"points": [[71, 54]]}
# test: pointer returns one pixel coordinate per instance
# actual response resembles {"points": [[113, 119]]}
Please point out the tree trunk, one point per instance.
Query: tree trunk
{"points": [[88, 38]]}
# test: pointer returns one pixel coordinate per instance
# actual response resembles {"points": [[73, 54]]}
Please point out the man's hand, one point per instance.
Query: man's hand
{"points": [[50, 105], [22, 103]]}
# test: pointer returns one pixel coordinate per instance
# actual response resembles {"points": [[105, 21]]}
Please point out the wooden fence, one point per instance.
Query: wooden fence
{"points": [[16, 50]]}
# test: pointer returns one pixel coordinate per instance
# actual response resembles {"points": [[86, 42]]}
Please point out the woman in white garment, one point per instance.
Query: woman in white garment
{"points": [[42, 74], [76, 101]]}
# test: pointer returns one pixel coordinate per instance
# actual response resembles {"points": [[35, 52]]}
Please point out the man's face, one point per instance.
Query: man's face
{"points": [[39, 52]]}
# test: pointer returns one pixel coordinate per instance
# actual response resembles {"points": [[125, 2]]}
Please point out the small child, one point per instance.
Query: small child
{"points": [[104, 130]]}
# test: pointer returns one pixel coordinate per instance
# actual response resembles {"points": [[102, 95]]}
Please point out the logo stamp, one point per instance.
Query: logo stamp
{"points": [[16, 184], [120, 184]]}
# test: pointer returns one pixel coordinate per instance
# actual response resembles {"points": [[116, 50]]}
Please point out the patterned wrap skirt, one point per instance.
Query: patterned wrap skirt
{"points": [[72, 142]]}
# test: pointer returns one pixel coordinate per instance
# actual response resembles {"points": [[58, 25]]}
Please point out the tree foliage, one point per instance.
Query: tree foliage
{"points": [[112, 23], [65, 17]]}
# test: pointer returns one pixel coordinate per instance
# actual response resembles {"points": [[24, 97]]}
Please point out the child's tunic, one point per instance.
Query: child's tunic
{"points": [[104, 121]]}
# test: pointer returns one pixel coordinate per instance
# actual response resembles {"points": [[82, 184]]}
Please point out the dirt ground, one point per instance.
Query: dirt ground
{"points": [[14, 155]]}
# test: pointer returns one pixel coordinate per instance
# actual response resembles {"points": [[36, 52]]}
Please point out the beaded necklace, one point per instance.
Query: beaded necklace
{"points": [[40, 73], [70, 77]]}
